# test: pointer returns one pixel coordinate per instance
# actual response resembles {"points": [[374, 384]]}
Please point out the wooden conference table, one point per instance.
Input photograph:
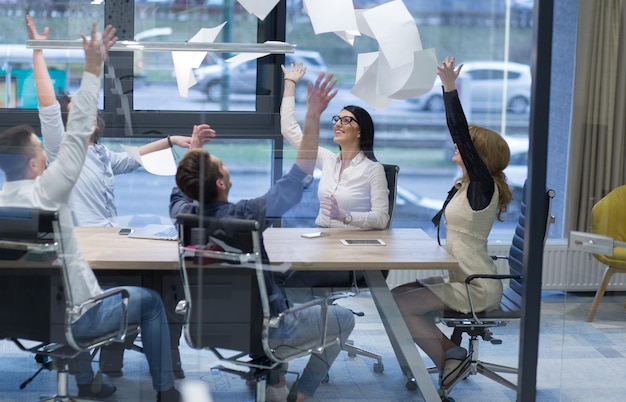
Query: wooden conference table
{"points": [[403, 249]]}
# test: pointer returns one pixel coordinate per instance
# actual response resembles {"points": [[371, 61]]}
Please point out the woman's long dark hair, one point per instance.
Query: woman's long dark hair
{"points": [[367, 130]]}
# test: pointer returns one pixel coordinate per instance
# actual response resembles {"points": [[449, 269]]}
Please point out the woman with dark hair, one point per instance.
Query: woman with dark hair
{"points": [[353, 187]]}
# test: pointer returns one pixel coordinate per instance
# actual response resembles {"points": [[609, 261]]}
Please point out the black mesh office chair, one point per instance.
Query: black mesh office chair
{"points": [[37, 300], [477, 325], [226, 301]]}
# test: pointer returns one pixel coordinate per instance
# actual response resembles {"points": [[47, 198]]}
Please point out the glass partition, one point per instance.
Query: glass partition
{"points": [[247, 160], [65, 20], [220, 85], [493, 39]]}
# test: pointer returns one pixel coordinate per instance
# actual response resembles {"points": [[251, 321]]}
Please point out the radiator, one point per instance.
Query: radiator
{"points": [[563, 269]]}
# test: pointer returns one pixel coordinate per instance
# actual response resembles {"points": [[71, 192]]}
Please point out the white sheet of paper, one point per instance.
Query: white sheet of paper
{"points": [[413, 79], [364, 28], [365, 85], [160, 163], [259, 8], [185, 61], [333, 16], [394, 28], [245, 57]]}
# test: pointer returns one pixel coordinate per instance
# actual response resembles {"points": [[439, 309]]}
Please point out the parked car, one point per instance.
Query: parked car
{"points": [[485, 80], [517, 170], [241, 76]]}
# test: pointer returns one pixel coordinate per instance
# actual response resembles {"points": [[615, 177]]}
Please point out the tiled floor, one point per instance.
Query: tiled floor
{"points": [[578, 361]]}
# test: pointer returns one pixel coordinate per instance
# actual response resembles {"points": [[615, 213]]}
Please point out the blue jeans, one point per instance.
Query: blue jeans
{"points": [[144, 308], [300, 331]]}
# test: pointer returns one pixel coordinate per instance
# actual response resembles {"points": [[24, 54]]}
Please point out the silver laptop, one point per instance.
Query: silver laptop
{"points": [[155, 231]]}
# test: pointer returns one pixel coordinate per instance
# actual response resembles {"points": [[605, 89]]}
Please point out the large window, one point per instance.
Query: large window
{"points": [[240, 99], [495, 46]]}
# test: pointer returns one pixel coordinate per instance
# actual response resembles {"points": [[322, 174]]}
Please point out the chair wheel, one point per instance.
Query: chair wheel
{"points": [[411, 385], [351, 354], [448, 399], [326, 379], [379, 367]]}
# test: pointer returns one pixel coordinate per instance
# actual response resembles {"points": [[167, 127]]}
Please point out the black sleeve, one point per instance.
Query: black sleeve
{"points": [[481, 186]]}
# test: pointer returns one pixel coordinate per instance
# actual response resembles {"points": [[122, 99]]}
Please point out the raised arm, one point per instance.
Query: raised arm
{"points": [[59, 178], [52, 128], [318, 98], [481, 182], [201, 134], [289, 127], [43, 83]]}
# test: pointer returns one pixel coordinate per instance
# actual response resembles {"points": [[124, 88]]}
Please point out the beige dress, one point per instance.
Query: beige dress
{"points": [[467, 232]]}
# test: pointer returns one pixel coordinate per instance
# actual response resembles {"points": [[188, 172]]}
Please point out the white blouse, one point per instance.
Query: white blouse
{"points": [[360, 189]]}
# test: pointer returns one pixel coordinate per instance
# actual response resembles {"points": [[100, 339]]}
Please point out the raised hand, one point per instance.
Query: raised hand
{"points": [[448, 74], [202, 134], [321, 93], [97, 47], [32, 30], [295, 73]]}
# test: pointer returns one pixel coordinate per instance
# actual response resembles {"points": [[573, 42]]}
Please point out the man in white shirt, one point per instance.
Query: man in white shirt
{"points": [[29, 183]]}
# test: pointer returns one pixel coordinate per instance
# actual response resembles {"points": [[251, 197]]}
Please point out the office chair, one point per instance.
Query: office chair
{"points": [[608, 217], [226, 306], [391, 172], [32, 257], [478, 324]]}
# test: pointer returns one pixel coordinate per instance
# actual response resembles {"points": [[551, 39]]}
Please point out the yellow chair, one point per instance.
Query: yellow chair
{"points": [[608, 218]]}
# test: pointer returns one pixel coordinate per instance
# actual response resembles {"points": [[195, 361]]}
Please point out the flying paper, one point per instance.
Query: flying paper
{"points": [[186, 61], [259, 8]]}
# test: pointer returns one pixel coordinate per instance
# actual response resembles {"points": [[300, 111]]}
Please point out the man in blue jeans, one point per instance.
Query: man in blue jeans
{"points": [[29, 183], [285, 193]]}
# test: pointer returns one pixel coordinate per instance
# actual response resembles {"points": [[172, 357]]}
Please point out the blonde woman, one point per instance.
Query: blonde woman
{"points": [[480, 196]]}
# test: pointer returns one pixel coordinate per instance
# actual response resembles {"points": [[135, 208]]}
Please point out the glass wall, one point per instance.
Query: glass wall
{"points": [[492, 38]]}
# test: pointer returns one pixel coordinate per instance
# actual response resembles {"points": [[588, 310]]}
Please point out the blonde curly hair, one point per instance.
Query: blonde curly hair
{"points": [[495, 153]]}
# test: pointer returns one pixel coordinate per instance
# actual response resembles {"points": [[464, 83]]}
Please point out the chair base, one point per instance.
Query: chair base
{"points": [[62, 391], [257, 378], [353, 351], [489, 370]]}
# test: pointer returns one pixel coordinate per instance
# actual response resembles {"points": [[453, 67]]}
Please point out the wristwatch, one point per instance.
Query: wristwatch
{"points": [[348, 219], [307, 180]]}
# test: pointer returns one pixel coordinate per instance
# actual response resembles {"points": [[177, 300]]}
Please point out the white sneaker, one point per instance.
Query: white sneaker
{"points": [[276, 394]]}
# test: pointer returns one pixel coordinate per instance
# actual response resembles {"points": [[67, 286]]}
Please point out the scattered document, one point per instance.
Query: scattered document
{"points": [[259, 8], [365, 86], [402, 69], [160, 163], [335, 16], [186, 61], [245, 57]]}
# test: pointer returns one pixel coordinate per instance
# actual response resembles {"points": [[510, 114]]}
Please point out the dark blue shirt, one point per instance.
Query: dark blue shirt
{"points": [[284, 194]]}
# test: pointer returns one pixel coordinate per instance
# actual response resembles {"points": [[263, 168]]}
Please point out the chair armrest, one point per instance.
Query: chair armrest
{"points": [[469, 280], [79, 309], [323, 302], [275, 321]]}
